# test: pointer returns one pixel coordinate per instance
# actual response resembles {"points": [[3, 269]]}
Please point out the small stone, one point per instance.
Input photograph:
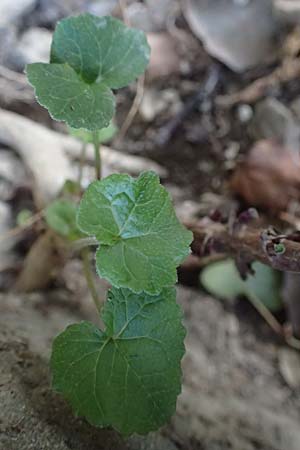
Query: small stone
{"points": [[138, 16], [289, 366], [165, 60], [273, 120], [245, 113], [160, 14], [5, 224], [155, 102], [103, 8]]}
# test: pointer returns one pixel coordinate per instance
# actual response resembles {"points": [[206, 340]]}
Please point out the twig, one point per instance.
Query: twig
{"points": [[289, 70], [251, 241], [266, 314], [139, 88], [133, 110], [20, 228], [97, 146]]}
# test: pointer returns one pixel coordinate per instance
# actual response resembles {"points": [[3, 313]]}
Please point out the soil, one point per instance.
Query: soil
{"points": [[233, 396]]}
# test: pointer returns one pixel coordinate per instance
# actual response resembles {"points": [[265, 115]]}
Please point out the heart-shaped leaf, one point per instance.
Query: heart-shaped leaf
{"points": [[141, 239], [89, 56], [128, 376]]}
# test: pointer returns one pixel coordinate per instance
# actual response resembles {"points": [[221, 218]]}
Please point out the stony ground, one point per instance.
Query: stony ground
{"points": [[233, 396], [241, 384]]}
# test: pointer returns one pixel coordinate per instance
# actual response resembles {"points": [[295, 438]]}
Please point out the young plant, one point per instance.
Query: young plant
{"points": [[128, 375]]}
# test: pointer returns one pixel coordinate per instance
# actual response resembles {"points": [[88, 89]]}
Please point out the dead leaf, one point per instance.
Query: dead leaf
{"points": [[269, 177], [45, 258]]}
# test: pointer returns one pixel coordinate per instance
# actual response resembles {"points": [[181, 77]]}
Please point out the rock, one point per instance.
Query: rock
{"points": [[8, 42], [50, 156], [155, 102], [12, 174], [289, 365], [245, 113], [103, 8], [160, 14], [164, 60], [138, 16], [232, 395], [5, 225], [273, 120], [34, 46], [269, 176], [240, 34], [287, 10], [48, 12], [290, 294], [12, 12]]}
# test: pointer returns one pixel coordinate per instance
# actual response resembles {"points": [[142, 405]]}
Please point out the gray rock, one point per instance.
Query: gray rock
{"points": [[154, 102], [12, 174], [49, 12], [160, 14], [34, 46], [138, 15], [11, 12], [287, 11], [239, 35], [7, 242], [103, 8], [289, 365], [272, 119], [8, 42]]}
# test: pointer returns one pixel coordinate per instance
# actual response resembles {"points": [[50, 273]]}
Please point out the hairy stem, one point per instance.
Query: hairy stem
{"points": [[96, 143], [89, 277]]}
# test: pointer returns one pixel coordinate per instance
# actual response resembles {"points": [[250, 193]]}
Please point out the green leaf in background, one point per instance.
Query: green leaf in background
{"points": [[71, 188], [90, 56], [128, 376], [104, 135], [141, 239], [61, 217], [222, 279], [23, 217]]}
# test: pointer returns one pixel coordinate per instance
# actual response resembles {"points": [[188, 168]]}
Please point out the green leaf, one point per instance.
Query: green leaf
{"points": [[129, 375], [61, 217], [104, 135], [89, 56], [141, 239], [222, 280], [23, 217]]}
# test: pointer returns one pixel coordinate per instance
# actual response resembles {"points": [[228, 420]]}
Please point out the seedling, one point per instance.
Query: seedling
{"points": [[128, 375]]}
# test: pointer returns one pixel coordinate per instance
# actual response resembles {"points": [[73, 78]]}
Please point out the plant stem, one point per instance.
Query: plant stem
{"points": [[89, 277], [81, 162], [97, 144]]}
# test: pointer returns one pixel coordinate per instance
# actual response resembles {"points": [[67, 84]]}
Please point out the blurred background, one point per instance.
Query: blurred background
{"points": [[217, 116]]}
